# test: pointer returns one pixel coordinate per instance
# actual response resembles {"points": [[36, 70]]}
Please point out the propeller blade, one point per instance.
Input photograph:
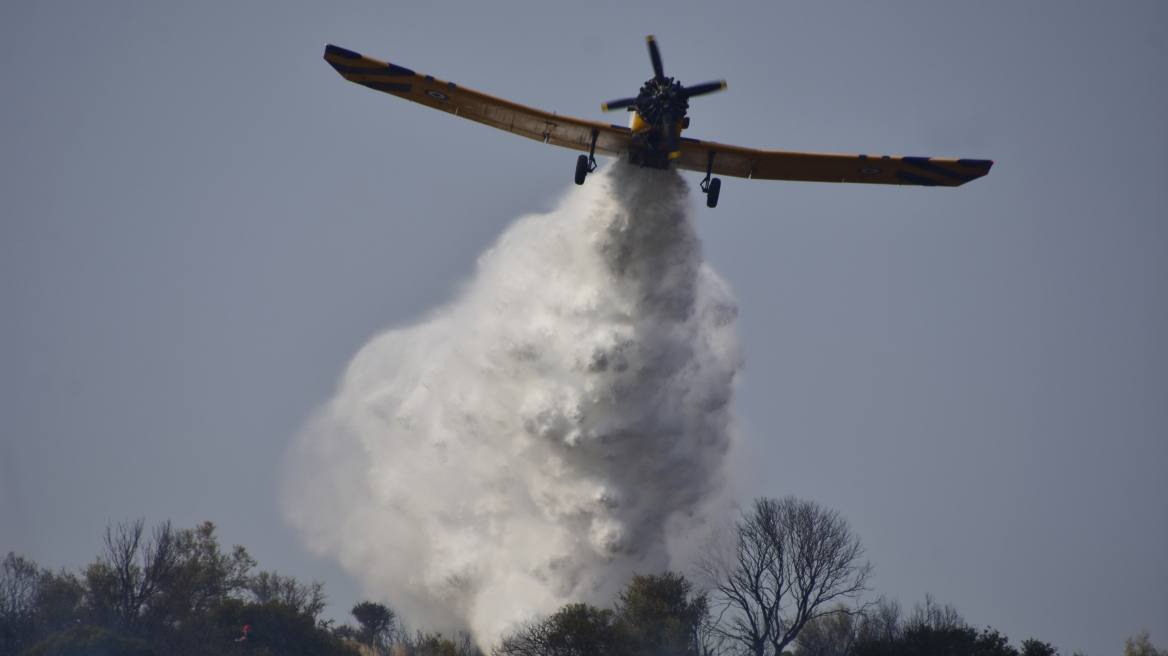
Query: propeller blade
{"points": [[655, 55], [703, 89], [618, 104]]}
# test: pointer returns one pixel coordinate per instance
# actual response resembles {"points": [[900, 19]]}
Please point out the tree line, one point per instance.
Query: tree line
{"points": [[178, 592], [789, 583], [788, 580]]}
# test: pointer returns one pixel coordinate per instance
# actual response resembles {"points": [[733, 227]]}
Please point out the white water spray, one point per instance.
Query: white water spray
{"points": [[563, 423]]}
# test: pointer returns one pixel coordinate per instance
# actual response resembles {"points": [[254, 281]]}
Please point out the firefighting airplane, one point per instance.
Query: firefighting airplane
{"points": [[654, 137]]}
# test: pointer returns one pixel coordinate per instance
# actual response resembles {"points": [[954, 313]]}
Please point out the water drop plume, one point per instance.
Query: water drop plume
{"points": [[562, 423]]}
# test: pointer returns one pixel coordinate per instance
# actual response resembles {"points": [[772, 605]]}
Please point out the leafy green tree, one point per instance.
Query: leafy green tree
{"points": [[277, 629], [1032, 647], [20, 581], [829, 635], [204, 576], [573, 630], [932, 629], [658, 614], [433, 644], [377, 624], [89, 641], [304, 597], [35, 603], [162, 591], [930, 641], [1141, 645], [60, 603]]}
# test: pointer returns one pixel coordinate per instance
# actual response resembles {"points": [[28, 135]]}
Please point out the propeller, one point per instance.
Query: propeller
{"points": [[618, 104], [703, 89], [663, 101], [655, 55]]}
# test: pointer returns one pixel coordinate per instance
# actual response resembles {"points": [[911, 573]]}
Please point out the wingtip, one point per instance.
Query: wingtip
{"points": [[343, 53]]}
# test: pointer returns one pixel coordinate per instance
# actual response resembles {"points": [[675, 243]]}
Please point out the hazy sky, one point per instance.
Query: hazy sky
{"points": [[201, 223]]}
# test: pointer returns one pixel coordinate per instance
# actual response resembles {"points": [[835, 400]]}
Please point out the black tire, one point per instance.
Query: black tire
{"points": [[581, 169], [712, 193]]}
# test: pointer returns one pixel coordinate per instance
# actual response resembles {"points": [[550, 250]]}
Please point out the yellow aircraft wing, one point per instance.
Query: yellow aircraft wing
{"points": [[825, 167], [548, 127], [613, 140]]}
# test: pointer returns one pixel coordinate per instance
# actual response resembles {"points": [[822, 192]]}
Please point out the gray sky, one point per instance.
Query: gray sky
{"points": [[201, 223]]}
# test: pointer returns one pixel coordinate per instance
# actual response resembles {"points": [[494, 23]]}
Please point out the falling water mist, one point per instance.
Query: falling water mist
{"points": [[562, 423]]}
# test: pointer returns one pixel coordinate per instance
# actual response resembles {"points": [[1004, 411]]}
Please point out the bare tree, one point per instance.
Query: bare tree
{"points": [[934, 616], [131, 571], [789, 563], [881, 621]]}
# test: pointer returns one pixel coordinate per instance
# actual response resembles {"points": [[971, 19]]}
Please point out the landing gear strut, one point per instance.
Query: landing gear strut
{"points": [[586, 164], [710, 187]]}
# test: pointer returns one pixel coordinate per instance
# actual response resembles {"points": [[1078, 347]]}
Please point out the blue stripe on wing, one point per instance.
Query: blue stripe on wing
{"points": [[388, 87], [386, 71], [913, 178], [924, 164]]}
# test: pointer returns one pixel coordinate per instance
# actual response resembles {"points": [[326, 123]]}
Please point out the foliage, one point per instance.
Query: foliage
{"points": [[574, 630], [377, 624], [306, 598], [658, 614], [89, 641], [929, 641], [20, 580], [655, 614], [829, 635], [166, 591], [433, 644], [1032, 647], [933, 629], [1141, 645], [277, 629], [206, 574]]}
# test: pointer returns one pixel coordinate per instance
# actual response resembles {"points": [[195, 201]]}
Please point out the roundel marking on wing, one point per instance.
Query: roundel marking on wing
{"points": [[870, 171], [437, 94]]}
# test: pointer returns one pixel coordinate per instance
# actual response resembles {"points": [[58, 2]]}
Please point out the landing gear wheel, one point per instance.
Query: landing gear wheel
{"points": [[581, 169], [712, 192]]}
